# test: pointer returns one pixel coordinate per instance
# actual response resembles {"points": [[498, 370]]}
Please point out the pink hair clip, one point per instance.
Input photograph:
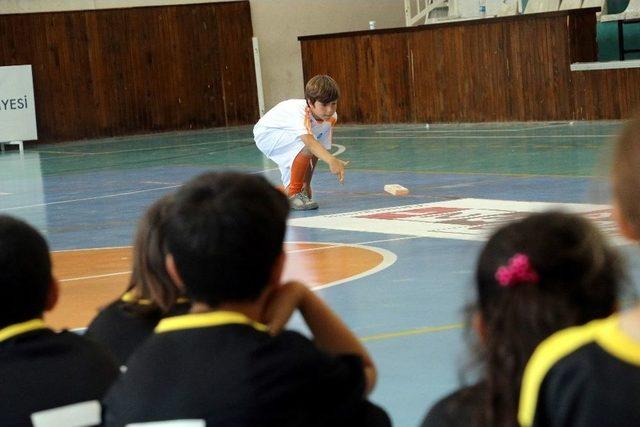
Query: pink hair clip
{"points": [[518, 271]]}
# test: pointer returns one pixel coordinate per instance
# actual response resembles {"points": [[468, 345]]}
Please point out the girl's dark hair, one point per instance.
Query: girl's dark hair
{"points": [[149, 278], [579, 279]]}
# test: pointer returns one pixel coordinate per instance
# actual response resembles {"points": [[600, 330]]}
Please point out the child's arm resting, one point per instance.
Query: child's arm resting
{"points": [[336, 166], [330, 333]]}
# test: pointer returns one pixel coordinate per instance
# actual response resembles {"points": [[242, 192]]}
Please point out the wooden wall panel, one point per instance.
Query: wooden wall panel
{"points": [[337, 58], [383, 56], [122, 71], [504, 69], [236, 60], [607, 94], [357, 64]]}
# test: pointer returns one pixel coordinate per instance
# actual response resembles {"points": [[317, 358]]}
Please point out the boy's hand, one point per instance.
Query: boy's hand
{"points": [[282, 303], [336, 166]]}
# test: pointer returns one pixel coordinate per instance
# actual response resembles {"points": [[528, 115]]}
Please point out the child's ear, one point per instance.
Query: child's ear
{"points": [[479, 326], [172, 271], [626, 229], [277, 269], [53, 293]]}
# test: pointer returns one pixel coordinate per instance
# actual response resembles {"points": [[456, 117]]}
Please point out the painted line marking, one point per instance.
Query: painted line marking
{"points": [[409, 332], [341, 149], [461, 219], [92, 249], [97, 276], [154, 148], [84, 199], [479, 137], [107, 196], [377, 337], [388, 259], [520, 129], [158, 183], [67, 153]]}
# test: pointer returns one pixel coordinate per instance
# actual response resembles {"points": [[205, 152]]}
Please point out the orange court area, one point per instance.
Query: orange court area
{"points": [[91, 278]]}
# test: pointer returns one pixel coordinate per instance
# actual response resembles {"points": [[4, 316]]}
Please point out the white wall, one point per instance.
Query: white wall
{"points": [[471, 8], [276, 23]]}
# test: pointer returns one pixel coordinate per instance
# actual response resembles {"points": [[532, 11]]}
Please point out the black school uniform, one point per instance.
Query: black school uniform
{"points": [[124, 324], [586, 376], [223, 368], [41, 369], [462, 408]]}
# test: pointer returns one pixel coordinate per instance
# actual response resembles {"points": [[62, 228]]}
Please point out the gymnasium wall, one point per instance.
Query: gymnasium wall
{"points": [[121, 71], [504, 69], [276, 23]]}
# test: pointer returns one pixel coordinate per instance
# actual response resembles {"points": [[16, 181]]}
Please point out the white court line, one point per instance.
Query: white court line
{"points": [[479, 137], [423, 130], [341, 149], [157, 182], [100, 153], [70, 153], [264, 170], [92, 249], [334, 245], [388, 259], [60, 202], [97, 276], [84, 199]]}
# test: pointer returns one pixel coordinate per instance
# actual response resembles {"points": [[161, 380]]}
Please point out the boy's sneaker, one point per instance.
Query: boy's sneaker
{"points": [[302, 202]]}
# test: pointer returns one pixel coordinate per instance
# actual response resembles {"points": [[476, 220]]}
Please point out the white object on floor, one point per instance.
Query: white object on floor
{"points": [[396, 189]]}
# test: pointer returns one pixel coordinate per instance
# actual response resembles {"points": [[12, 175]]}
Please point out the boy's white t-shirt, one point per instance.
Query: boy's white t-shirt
{"points": [[278, 133], [294, 116]]}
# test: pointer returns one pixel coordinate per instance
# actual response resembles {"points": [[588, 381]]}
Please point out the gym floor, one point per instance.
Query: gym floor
{"points": [[398, 269]]}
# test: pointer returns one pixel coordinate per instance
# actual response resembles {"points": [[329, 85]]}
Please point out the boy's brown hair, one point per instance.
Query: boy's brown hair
{"points": [[321, 88], [626, 174]]}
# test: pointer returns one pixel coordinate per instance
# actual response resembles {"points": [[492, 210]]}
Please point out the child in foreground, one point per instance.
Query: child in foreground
{"points": [[42, 371], [230, 362], [151, 295], [589, 376], [534, 277]]}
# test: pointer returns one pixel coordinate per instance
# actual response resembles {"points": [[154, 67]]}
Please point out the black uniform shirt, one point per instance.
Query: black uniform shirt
{"points": [[583, 376], [462, 408], [41, 369], [229, 371], [124, 324]]}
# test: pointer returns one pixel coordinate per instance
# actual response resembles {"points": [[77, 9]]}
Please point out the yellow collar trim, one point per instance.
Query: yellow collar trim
{"points": [[132, 298], [21, 328], [613, 339], [606, 333], [204, 320]]}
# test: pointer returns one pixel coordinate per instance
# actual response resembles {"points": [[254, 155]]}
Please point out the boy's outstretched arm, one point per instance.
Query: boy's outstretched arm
{"points": [[336, 166], [330, 333]]}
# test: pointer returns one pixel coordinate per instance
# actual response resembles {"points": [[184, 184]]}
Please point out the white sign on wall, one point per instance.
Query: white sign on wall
{"points": [[17, 104]]}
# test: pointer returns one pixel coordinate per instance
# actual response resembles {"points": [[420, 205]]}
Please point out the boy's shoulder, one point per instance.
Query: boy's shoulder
{"points": [[291, 104]]}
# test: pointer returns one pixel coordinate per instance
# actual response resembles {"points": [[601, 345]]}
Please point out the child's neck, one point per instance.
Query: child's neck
{"points": [[630, 322], [252, 310]]}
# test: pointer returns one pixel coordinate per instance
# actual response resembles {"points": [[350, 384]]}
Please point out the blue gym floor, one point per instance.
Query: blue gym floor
{"points": [[90, 194]]}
